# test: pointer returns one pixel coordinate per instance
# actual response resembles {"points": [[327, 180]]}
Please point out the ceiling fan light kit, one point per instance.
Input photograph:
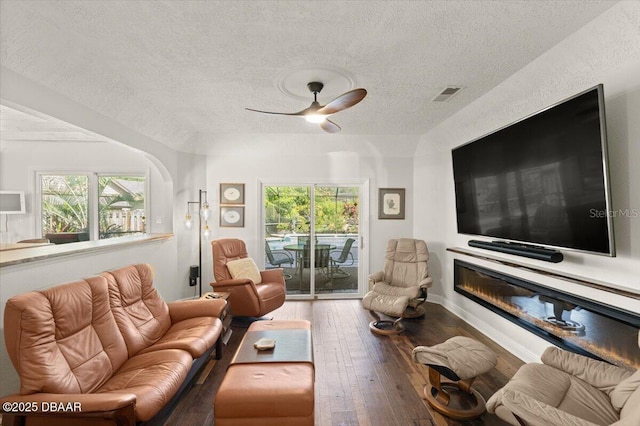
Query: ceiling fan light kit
{"points": [[317, 113], [315, 118]]}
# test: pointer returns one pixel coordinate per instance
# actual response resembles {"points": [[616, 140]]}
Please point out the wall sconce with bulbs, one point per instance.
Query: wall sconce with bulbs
{"points": [[204, 212]]}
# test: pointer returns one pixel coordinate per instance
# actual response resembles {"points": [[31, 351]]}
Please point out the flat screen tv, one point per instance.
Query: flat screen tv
{"points": [[542, 180]]}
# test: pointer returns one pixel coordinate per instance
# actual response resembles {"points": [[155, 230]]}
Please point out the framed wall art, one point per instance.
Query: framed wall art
{"points": [[232, 193], [391, 203], [231, 217]]}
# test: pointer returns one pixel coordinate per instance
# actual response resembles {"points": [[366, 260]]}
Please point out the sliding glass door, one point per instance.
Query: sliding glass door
{"points": [[313, 232]]}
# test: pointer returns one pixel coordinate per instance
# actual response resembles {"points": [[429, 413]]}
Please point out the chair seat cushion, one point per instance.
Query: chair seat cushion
{"points": [[391, 290], [194, 335], [387, 304], [466, 357], [154, 378]]}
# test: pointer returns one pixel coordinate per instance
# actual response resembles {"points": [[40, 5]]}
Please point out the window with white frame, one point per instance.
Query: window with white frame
{"points": [[121, 205], [81, 207]]}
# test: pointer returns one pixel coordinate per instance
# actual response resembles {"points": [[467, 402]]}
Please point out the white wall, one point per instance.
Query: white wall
{"points": [[606, 51], [192, 178], [19, 162], [361, 160]]}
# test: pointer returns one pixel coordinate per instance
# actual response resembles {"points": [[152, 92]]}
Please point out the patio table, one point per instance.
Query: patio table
{"points": [[298, 249]]}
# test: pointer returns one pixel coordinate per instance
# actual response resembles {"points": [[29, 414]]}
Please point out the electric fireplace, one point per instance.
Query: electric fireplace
{"points": [[577, 324]]}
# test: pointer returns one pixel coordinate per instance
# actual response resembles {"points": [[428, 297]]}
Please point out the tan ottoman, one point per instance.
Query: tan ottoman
{"points": [[460, 359], [273, 387]]}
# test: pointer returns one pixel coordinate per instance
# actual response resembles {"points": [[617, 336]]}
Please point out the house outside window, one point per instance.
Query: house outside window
{"points": [[121, 205], [82, 207]]}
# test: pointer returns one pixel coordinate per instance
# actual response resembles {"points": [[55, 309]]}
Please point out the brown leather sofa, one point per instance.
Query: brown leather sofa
{"points": [[107, 347], [247, 298]]}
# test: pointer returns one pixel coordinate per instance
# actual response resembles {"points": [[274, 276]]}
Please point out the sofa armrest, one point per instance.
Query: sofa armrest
{"points": [[376, 276], [599, 374], [66, 404], [426, 283], [535, 413], [234, 282], [185, 309]]}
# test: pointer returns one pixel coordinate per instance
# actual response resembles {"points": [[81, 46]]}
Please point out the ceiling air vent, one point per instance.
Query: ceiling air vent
{"points": [[446, 94]]}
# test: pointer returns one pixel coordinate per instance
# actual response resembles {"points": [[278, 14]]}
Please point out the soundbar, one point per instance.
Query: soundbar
{"points": [[525, 250]]}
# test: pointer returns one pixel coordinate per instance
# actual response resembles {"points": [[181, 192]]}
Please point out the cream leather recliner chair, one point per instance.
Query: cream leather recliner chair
{"points": [[569, 390], [399, 289]]}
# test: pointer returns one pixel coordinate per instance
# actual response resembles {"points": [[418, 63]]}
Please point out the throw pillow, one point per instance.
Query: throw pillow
{"points": [[245, 268]]}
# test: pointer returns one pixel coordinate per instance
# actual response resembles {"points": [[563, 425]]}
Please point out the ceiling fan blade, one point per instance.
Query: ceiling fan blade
{"points": [[330, 126], [343, 101], [279, 113]]}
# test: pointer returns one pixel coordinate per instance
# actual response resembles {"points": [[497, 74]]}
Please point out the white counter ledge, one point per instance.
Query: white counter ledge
{"points": [[34, 254]]}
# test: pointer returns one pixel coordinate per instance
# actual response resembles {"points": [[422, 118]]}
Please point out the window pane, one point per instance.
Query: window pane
{"points": [[287, 209], [337, 209], [65, 208], [121, 205]]}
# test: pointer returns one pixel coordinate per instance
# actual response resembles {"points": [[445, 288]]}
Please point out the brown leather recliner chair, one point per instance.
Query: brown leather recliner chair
{"points": [[247, 298]]}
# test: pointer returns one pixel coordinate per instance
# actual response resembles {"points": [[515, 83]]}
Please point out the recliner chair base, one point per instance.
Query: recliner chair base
{"points": [[460, 401], [385, 327], [460, 359], [414, 311], [245, 322], [461, 397]]}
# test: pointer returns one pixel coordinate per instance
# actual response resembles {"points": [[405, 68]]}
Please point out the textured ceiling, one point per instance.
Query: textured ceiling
{"points": [[182, 72], [22, 126]]}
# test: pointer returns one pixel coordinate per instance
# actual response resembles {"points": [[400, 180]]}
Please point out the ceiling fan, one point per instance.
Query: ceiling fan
{"points": [[317, 113]]}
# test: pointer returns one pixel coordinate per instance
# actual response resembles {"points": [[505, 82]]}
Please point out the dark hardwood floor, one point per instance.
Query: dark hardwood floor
{"points": [[361, 378]]}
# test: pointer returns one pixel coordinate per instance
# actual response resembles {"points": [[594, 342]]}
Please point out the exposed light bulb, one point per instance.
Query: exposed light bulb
{"points": [[204, 211], [206, 232], [315, 118], [188, 223]]}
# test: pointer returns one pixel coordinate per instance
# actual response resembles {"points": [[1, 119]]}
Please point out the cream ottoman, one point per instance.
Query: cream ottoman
{"points": [[460, 359]]}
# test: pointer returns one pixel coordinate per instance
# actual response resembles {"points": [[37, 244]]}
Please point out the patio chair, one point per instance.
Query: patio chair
{"points": [[278, 258], [337, 262]]}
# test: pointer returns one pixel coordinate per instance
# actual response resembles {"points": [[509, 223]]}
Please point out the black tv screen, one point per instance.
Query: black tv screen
{"points": [[541, 180]]}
